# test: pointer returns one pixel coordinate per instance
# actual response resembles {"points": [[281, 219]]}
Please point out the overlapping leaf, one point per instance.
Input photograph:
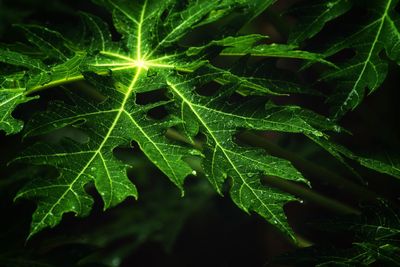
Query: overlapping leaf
{"points": [[248, 45], [52, 61], [12, 91], [364, 72], [220, 121], [149, 58], [56, 60], [376, 240], [113, 123]]}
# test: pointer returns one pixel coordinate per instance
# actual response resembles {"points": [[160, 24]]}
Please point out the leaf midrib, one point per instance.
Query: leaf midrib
{"points": [[12, 98], [244, 182], [371, 51], [154, 145], [98, 151]]}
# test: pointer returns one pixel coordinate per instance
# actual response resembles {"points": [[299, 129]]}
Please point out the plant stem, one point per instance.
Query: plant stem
{"points": [[312, 196], [305, 165]]}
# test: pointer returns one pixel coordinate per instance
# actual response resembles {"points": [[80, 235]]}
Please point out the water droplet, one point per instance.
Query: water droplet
{"points": [[301, 201], [275, 221], [194, 172], [93, 168]]}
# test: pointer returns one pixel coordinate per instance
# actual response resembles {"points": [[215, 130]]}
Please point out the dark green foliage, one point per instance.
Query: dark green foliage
{"points": [[377, 240], [135, 75]]}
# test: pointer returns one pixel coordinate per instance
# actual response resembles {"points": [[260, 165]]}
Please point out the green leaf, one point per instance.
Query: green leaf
{"points": [[52, 61], [377, 235], [50, 42], [376, 240], [120, 121], [12, 92], [248, 45], [219, 121], [179, 82], [9, 99], [387, 163], [366, 71], [313, 17], [390, 164], [20, 60], [150, 58]]}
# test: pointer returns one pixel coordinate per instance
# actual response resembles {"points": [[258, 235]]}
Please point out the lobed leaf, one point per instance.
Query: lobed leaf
{"points": [[365, 72], [150, 57]]}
